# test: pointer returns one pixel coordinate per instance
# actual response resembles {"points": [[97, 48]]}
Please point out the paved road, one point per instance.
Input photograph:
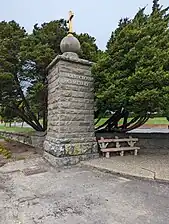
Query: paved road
{"points": [[29, 194], [138, 130], [150, 130]]}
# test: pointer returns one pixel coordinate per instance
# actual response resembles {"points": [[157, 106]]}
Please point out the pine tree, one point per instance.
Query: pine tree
{"points": [[136, 67], [156, 6], [23, 61]]}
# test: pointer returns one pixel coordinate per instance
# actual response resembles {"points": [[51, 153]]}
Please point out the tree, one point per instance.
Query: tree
{"points": [[7, 115], [89, 49], [39, 50], [23, 62], [122, 23], [156, 6], [133, 76]]}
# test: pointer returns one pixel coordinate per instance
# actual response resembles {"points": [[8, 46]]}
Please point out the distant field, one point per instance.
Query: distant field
{"points": [[15, 129], [156, 120]]}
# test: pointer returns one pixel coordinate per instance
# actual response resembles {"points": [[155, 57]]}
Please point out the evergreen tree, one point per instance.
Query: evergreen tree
{"points": [[134, 74], [23, 62], [156, 6]]}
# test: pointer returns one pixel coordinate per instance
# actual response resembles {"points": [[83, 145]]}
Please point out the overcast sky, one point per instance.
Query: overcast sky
{"points": [[96, 17]]}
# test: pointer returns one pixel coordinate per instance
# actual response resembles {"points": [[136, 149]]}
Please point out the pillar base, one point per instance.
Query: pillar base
{"points": [[68, 160]]}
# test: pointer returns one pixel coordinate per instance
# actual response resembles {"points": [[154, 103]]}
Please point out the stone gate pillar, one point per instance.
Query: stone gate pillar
{"points": [[70, 135]]}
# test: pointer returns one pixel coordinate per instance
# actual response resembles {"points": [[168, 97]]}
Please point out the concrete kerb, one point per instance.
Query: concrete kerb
{"points": [[106, 170], [123, 174]]}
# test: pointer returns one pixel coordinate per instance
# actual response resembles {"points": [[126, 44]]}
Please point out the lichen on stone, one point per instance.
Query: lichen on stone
{"points": [[5, 152]]}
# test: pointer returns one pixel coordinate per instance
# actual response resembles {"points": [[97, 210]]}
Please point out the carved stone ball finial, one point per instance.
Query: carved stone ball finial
{"points": [[70, 45]]}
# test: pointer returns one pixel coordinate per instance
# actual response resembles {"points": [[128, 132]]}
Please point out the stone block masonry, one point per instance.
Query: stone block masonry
{"points": [[70, 135], [35, 139]]}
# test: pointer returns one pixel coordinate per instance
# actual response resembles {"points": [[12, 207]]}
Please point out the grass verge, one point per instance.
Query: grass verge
{"points": [[152, 121], [15, 129]]}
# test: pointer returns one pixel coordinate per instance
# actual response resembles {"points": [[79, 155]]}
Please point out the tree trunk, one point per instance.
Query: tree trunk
{"points": [[27, 119], [30, 114]]}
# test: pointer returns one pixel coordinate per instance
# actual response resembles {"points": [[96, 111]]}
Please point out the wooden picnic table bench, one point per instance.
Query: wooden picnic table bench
{"points": [[106, 150]]}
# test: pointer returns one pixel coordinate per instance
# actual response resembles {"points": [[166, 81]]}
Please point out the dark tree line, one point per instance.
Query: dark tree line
{"points": [[131, 75], [23, 61]]}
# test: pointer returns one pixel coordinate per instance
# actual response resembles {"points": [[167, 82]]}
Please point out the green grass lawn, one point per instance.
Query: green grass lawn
{"points": [[15, 129], [156, 120]]}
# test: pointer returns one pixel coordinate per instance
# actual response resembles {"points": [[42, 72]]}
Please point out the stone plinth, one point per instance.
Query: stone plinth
{"points": [[70, 135]]}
